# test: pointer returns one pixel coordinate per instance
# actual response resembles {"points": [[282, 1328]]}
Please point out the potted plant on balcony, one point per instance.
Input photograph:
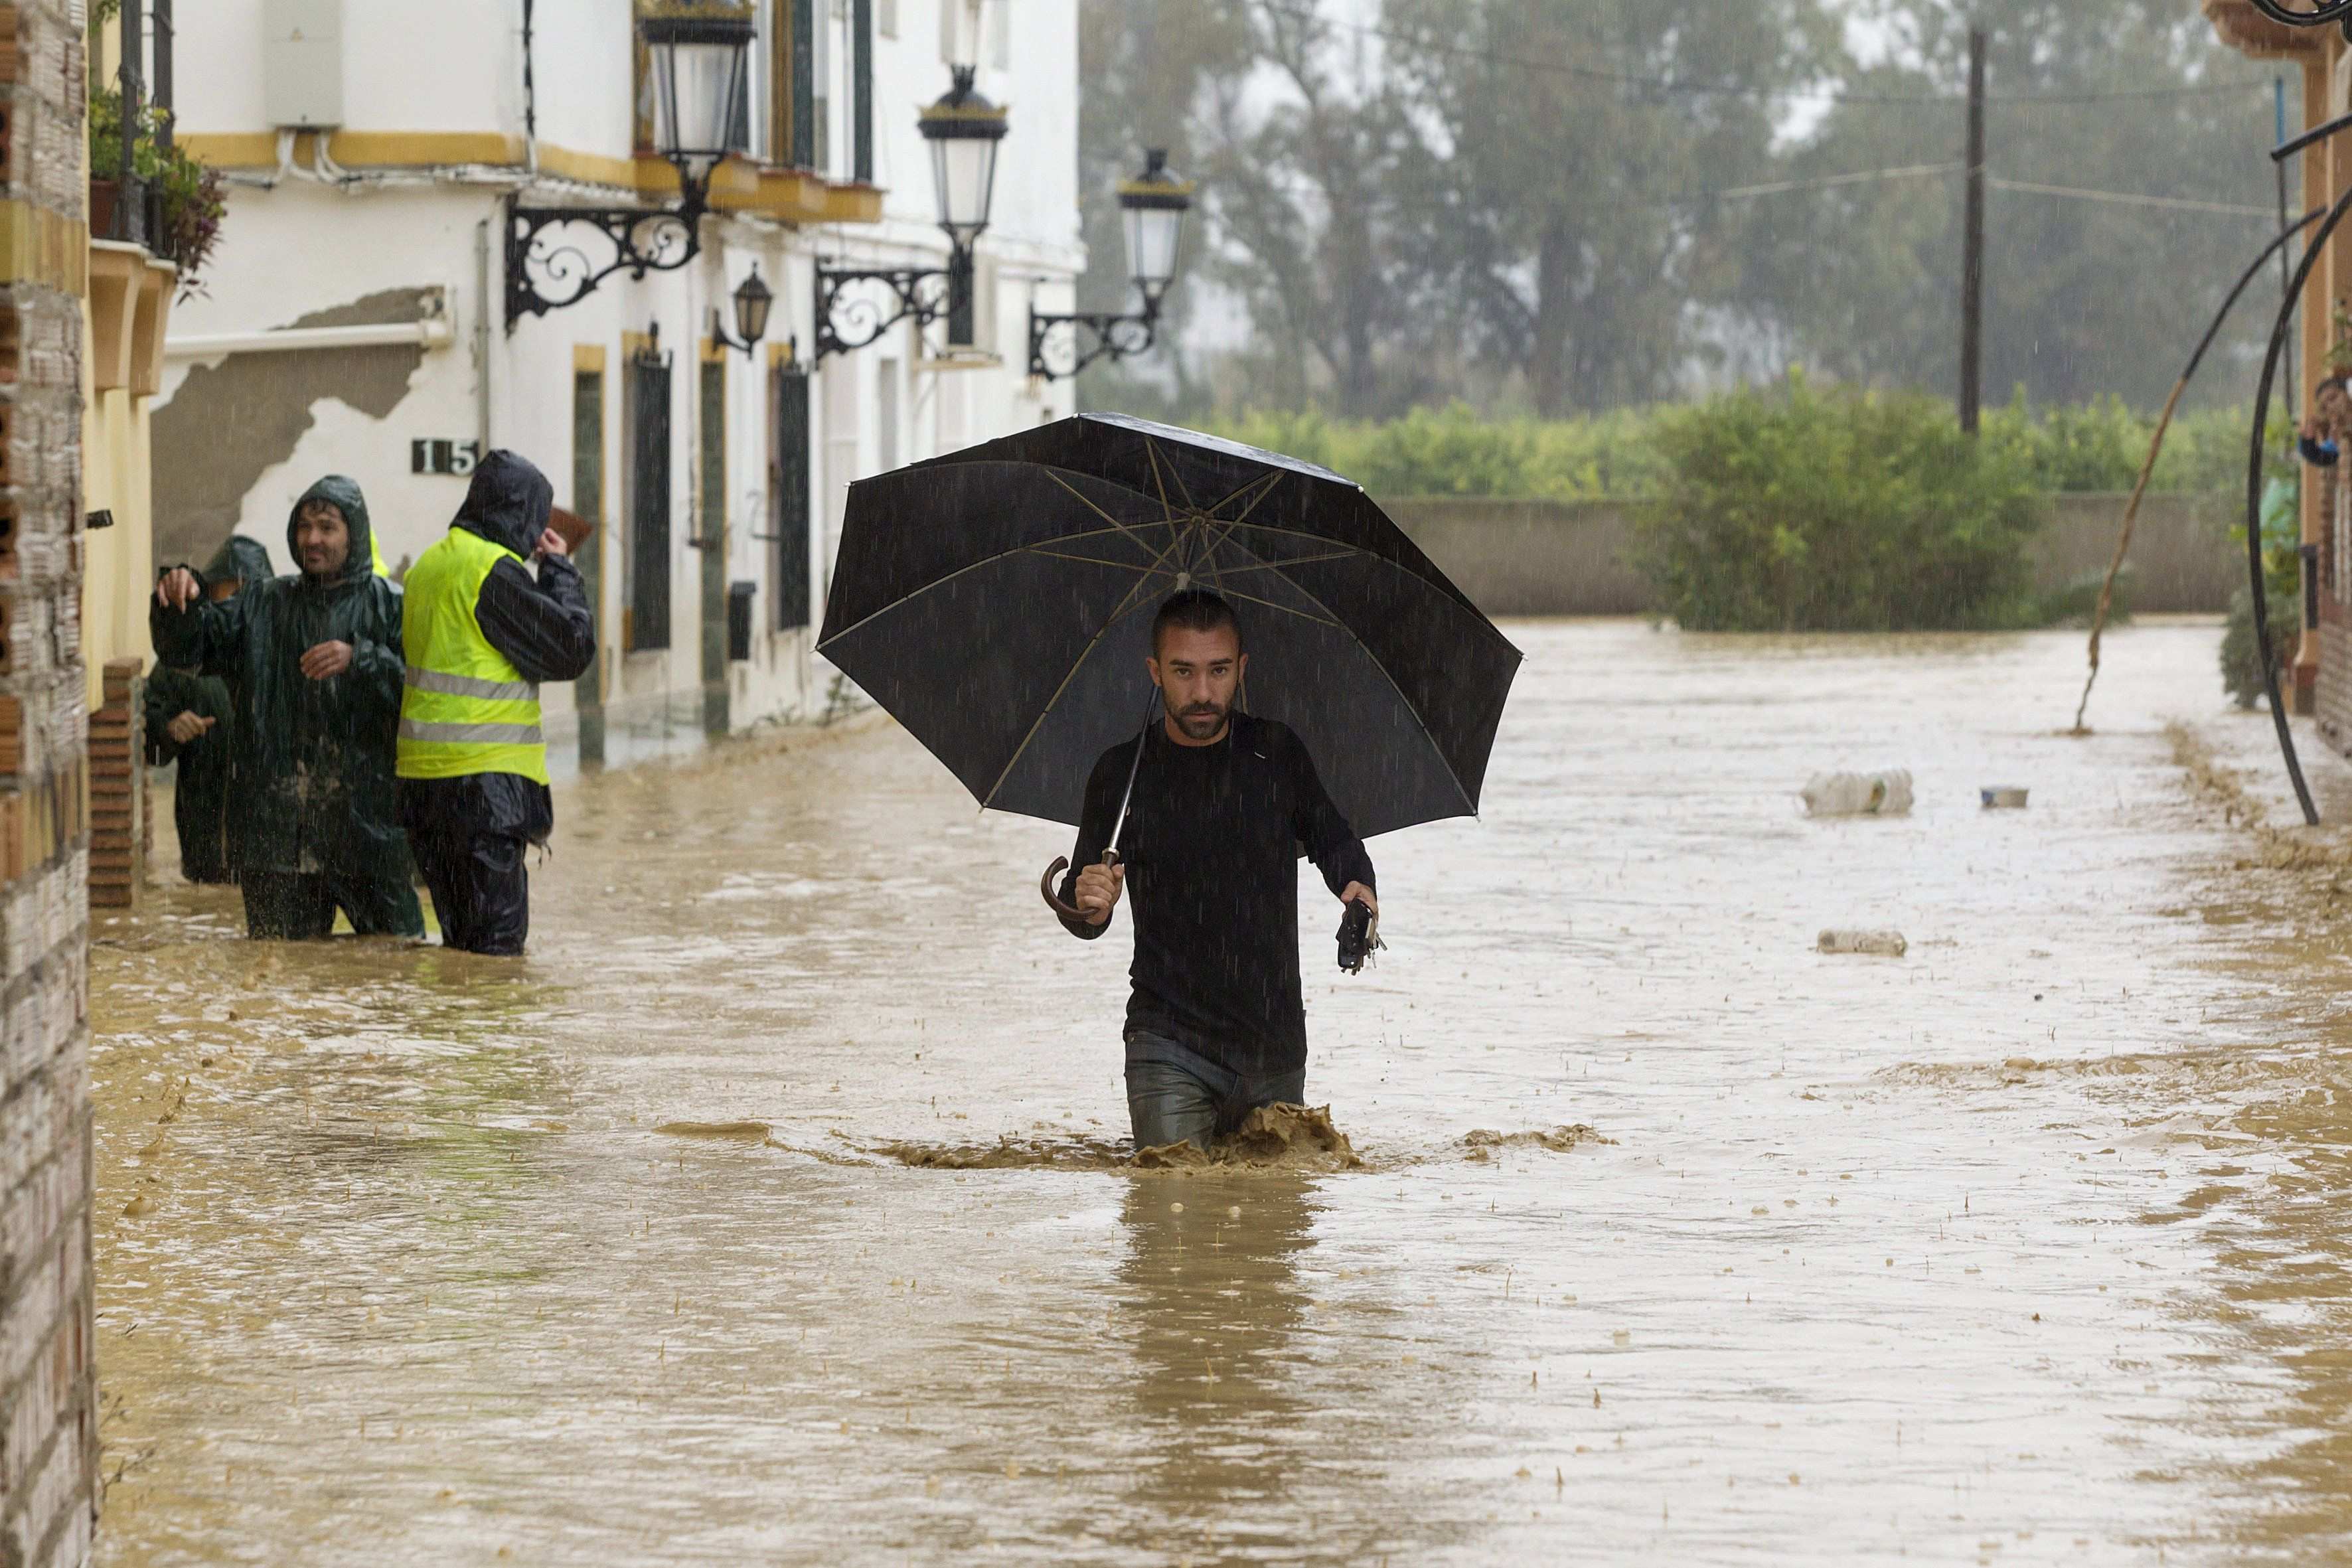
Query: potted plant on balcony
{"points": [[186, 195]]}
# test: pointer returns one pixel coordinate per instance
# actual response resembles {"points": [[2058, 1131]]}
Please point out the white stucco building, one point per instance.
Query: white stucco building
{"points": [[358, 322]]}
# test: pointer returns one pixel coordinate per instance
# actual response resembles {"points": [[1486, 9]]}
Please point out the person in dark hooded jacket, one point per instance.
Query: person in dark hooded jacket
{"points": [[481, 634], [314, 664], [192, 720]]}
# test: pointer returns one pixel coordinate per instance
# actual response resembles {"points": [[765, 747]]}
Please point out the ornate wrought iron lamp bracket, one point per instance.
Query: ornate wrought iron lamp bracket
{"points": [[644, 239], [1115, 336], [861, 319]]}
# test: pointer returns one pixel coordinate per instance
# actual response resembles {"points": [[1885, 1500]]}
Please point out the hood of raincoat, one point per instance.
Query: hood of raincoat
{"points": [[358, 562], [247, 560], [508, 503]]}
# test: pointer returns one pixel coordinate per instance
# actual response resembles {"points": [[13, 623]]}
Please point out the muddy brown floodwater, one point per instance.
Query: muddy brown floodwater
{"points": [[775, 1208]]}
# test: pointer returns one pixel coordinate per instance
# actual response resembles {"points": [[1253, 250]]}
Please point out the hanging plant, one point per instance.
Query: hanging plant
{"points": [[191, 198]]}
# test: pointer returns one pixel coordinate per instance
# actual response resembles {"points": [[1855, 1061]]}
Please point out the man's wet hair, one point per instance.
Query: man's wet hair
{"points": [[1194, 610]]}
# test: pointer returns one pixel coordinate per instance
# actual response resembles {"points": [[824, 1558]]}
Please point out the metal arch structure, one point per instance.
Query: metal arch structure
{"points": [[642, 240], [2322, 12], [2255, 454]]}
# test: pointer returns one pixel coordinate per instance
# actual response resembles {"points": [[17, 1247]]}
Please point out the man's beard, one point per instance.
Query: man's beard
{"points": [[1200, 721]]}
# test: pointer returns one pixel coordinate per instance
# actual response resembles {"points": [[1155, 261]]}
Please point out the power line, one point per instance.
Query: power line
{"points": [[1861, 177], [2128, 199], [1544, 66]]}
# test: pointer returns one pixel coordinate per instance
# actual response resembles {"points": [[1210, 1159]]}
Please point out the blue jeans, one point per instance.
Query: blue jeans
{"points": [[1175, 1095]]}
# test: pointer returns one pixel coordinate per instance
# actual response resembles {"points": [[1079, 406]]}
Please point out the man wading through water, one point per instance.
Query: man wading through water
{"points": [[313, 662], [1222, 802]]}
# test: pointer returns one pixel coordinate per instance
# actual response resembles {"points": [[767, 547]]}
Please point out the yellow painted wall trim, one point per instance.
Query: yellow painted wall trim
{"points": [[356, 149], [588, 357], [38, 246], [793, 195], [779, 354]]}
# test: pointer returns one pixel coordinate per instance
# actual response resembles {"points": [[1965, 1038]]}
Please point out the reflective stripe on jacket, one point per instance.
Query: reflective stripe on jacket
{"points": [[464, 709]]}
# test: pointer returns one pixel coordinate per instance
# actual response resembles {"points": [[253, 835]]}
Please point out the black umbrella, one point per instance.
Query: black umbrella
{"points": [[998, 602]]}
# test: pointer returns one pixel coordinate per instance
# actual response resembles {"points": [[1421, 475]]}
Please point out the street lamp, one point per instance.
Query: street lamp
{"points": [[1152, 207], [752, 301], [696, 60], [962, 130]]}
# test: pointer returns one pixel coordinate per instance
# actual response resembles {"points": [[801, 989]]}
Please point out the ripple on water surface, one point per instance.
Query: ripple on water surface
{"points": [[778, 1207]]}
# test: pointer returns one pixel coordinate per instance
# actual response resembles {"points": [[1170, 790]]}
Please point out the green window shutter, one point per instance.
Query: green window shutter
{"points": [[790, 515], [861, 89]]}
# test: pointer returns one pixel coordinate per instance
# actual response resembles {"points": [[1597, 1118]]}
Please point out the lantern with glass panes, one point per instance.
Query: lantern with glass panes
{"points": [[962, 131], [1152, 207], [695, 53], [752, 299]]}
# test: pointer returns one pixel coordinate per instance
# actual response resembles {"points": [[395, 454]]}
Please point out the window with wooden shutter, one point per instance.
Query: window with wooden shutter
{"points": [[788, 494], [649, 598]]}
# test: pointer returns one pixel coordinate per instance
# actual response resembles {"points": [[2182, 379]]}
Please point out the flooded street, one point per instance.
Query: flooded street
{"points": [[2023, 1247]]}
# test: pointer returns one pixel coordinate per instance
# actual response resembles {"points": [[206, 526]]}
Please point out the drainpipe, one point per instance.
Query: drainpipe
{"points": [[482, 313], [130, 202], [530, 101], [164, 38]]}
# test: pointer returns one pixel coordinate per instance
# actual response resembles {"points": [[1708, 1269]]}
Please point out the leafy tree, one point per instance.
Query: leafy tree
{"points": [[2081, 298], [1569, 135], [1145, 65]]}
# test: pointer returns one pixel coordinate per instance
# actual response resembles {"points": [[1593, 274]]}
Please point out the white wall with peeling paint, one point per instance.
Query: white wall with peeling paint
{"points": [[297, 244]]}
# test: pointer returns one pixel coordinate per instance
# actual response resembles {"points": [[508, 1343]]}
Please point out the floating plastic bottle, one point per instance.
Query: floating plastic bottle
{"points": [[1876, 943], [1886, 793]]}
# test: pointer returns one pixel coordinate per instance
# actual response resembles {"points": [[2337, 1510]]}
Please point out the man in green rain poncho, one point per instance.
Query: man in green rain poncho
{"points": [[190, 720], [314, 665]]}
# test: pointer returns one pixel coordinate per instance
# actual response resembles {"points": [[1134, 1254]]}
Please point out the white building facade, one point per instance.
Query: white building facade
{"points": [[360, 318]]}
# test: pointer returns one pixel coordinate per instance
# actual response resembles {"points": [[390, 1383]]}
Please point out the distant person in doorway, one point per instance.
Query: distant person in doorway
{"points": [[2327, 423], [482, 634], [1223, 803], [313, 666], [191, 720]]}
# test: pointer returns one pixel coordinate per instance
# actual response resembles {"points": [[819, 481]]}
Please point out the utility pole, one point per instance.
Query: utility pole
{"points": [[1972, 260]]}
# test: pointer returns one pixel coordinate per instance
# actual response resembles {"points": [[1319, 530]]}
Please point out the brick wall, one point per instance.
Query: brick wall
{"points": [[48, 1424]]}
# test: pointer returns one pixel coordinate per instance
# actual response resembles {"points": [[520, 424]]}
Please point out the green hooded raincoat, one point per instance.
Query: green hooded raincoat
{"points": [[314, 766]]}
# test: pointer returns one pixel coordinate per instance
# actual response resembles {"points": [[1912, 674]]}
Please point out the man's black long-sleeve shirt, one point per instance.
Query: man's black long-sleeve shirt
{"points": [[1212, 853]]}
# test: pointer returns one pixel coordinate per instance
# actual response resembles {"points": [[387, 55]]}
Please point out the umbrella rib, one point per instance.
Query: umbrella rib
{"points": [[1152, 447], [1444, 760], [991, 560], [1493, 630], [1099, 512], [1259, 563], [1269, 603], [1085, 559], [1124, 605], [1266, 481]]}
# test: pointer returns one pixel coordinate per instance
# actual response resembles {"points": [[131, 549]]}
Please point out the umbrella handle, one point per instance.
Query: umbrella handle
{"points": [[1054, 873]]}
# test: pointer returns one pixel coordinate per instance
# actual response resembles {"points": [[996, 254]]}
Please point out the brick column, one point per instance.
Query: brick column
{"points": [[48, 1421]]}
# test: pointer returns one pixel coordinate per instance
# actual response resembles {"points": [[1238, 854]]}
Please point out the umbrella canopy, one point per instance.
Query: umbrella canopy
{"points": [[998, 602]]}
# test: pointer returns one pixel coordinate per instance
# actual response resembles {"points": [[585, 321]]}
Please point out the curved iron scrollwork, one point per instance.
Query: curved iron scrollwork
{"points": [[1115, 336], [2321, 13], [544, 272], [851, 319]]}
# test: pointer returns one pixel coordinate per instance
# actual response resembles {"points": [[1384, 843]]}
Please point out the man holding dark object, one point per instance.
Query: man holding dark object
{"points": [[1219, 804], [191, 720], [482, 633], [312, 663]]}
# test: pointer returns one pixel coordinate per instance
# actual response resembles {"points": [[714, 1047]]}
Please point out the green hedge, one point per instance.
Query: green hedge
{"points": [[1457, 451], [1834, 510]]}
